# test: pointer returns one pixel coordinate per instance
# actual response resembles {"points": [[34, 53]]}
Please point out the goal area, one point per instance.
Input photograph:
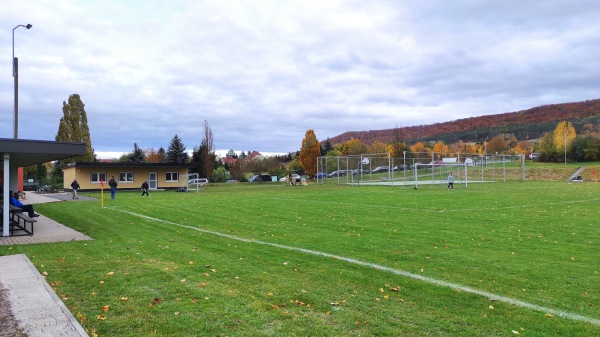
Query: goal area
{"points": [[415, 169]]}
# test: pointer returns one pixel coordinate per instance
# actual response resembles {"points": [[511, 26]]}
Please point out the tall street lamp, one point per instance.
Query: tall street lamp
{"points": [[15, 64]]}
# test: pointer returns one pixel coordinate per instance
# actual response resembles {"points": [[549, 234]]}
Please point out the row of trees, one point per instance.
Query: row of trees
{"points": [[562, 143], [554, 146], [203, 159], [73, 127]]}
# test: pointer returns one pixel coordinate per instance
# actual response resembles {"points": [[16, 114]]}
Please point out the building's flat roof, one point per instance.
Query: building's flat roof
{"points": [[128, 164]]}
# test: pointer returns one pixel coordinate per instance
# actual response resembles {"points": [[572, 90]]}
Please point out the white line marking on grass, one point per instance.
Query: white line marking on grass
{"points": [[559, 313]]}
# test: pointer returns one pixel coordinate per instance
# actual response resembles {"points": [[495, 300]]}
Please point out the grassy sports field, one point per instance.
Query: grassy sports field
{"points": [[499, 259]]}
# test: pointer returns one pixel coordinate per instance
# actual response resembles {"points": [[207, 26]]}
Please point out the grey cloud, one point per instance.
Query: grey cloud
{"points": [[149, 72]]}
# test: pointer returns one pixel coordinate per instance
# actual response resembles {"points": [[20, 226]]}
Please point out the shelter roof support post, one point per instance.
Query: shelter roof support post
{"points": [[5, 203]]}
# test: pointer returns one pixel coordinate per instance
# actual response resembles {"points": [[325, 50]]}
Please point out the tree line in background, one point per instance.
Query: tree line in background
{"points": [[563, 143], [526, 124]]}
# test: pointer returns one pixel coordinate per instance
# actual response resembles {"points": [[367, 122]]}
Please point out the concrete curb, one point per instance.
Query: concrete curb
{"points": [[34, 304]]}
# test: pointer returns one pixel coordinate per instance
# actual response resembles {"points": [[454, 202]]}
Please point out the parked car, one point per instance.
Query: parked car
{"points": [[295, 176], [199, 181], [416, 165], [262, 177], [380, 169], [399, 168], [340, 173], [357, 172], [320, 175]]}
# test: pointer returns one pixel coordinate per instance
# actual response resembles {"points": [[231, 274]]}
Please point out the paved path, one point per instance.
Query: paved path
{"points": [[36, 307], [27, 302]]}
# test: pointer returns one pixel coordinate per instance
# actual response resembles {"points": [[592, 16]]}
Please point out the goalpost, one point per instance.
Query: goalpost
{"points": [[440, 172]]}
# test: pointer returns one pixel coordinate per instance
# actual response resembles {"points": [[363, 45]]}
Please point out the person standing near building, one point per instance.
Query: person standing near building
{"points": [[75, 186], [145, 188], [450, 181], [113, 187]]}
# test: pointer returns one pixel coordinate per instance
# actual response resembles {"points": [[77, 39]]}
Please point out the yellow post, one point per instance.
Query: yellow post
{"points": [[102, 192]]}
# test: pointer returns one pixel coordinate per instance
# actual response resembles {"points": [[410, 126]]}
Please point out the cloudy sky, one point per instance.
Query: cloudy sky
{"points": [[263, 72]]}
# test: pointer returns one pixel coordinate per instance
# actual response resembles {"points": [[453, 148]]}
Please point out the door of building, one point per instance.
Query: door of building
{"points": [[152, 180]]}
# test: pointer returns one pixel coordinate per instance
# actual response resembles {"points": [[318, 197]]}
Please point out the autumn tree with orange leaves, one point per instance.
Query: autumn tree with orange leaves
{"points": [[419, 147], [310, 151]]}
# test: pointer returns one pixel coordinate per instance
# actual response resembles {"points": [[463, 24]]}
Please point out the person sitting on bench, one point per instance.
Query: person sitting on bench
{"points": [[14, 200]]}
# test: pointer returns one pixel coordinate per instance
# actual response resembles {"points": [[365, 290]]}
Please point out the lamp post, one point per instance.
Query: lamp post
{"points": [[15, 66]]}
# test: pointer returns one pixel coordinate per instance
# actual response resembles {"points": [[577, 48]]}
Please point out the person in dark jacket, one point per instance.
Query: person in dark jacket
{"points": [[75, 186], [145, 188], [113, 187]]}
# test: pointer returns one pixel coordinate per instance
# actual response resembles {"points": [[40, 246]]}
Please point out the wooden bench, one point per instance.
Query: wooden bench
{"points": [[22, 217], [16, 218]]}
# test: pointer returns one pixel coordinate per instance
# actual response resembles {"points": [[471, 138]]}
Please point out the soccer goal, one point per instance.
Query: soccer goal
{"points": [[438, 173]]}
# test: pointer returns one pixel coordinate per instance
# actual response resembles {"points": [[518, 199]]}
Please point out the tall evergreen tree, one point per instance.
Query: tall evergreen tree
{"points": [[176, 151], [326, 147], [231, 154], [162, 155], [73, 127], [137, 155]]}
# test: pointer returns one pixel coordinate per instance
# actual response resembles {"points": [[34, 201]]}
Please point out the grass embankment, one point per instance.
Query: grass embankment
{"points": [[165, 275]]}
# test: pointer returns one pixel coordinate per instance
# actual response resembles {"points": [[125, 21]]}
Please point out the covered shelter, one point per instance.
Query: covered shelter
{"points": [[25, 152]]}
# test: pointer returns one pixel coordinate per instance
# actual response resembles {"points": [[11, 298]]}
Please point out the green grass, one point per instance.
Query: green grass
{"points": [[532, 241]]}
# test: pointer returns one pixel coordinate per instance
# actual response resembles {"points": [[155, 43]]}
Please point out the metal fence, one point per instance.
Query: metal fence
{"points": [[419, 168]]}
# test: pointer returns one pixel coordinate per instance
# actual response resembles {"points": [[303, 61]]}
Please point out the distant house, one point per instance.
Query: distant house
{"points": [[128, 175], [251, 155], [228, 160], [255, 155]]}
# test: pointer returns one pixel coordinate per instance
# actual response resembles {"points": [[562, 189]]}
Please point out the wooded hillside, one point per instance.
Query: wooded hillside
{"points": [[525, 125]]}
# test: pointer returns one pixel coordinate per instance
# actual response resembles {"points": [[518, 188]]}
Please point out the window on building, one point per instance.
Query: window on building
{"points": [[126, 177], [96, 177], [171, 176]]}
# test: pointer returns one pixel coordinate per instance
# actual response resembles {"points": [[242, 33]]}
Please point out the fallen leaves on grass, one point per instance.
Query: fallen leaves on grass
{"points": [[105, 308], [81, 317]]}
